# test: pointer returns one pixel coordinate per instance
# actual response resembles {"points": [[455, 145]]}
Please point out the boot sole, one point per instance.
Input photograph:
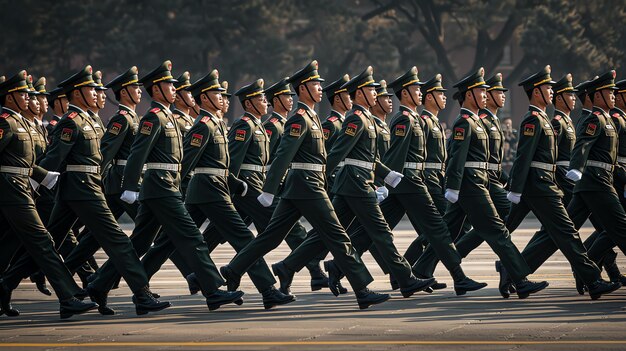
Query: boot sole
{"points": [[460, 292], [365, 305], [141, 312], [597, 296], [270, 305], [333, 288], [68, 314], [286, 290], [216, 305], [410, 293], [528, 293]]}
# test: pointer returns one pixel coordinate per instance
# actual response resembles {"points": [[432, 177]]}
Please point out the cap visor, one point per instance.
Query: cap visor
{"points": [[227, 94]]}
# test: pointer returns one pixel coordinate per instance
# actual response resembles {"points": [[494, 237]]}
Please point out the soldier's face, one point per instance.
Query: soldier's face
{"points": [[88, 94], [287, 101], [65, 103], [260, 103], [43, 103], [33, 105], [21, 100], [345, 97], [441, 99], [496, 98], [481, 97], [216, 97], [102, 98], [570, 100], [169, 91], [609, 96], [225, 105], [546, 90], [385, 103], [316, 90], [186, 98], [369, 93]]}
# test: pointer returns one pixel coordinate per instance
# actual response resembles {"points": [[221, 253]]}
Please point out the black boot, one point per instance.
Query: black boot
{"points": [[365, 297], [436, 285], [272, 297], [462, 283], [192, 282], [505, 286], [417, 284], [393, 282], [145, 302], [82, 294], [610, 265], [40, 282], [319, 279], [232, 280], [72, 306], [526, 287], [601, 287], [221, 297], [334, 277], [285, 276], [101, 299], [5, 301], [580, 285]]}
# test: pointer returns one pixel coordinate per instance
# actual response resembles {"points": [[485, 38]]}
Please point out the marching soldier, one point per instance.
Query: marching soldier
{"points": [[17, 164], [303, 194], [158, 145], [383, 107], [184, 103], [57, 100]]}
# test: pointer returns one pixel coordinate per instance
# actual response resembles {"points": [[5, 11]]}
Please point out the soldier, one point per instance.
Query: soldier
{"points": [[17, 164], [303, 194], [158, 145], [59, 103], [383, 107], [533, 188], [184, 103]]}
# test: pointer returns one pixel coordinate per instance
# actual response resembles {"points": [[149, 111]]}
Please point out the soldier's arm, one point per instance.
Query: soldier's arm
{"points": [[149, 129], [295, 132], [526, 146], [347, 138], [558, 128], [461, 138], [194, 144], [330, 133], [113, 139], [274, 135], [400, 142], [6, 133], [239, 139], [64, 137], [586, 135]]}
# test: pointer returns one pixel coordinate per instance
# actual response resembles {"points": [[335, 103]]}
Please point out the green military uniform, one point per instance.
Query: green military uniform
{"points": [[355, 196], [384, 137], [184, 120], [115, 148], [332, 124], [55, 94], [17, 208], [158, 145]]}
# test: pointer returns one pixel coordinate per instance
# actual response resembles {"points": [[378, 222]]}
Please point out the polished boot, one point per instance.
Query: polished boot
{"points": [[74, 306], [612, 270], [5, 301], [505, 286], [232, 280], [415, 285], [221, 297], [526, 287], [601, 287], [145, 302], [365, 297], [285, 276], [319, 279], [462, 283], [101, 299], [192, 282], [273, 297], [40, 282]]}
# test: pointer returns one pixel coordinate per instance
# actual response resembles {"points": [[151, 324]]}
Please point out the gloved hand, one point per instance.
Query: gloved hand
{"points": [[452, 195], [393, 178], [245, 189], [33, 183], [381, 193], [129, 197], [514, 197], [265, 199], [50, 180], [574, 175]]}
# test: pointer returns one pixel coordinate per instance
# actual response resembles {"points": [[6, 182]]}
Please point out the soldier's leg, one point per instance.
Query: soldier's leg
{"points": [[609, 212]]}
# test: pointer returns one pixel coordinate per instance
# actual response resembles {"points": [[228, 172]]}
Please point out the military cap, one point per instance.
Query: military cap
{"points": [[161, 74], [125, 79], [433, 84], [251, 90], [495, 83], [538, 79], [279, 88], [474, 80], [210, 82], [307, 74], [183, 81], [14, 84], [225, 86], [605, 81], [364, 79], [40, 86], [82, 78], [382, 89], [621, 86], [56, 93], [407, 79], [335, 87], [97, 77], [564, 85], [582, 88], [31, 87]]}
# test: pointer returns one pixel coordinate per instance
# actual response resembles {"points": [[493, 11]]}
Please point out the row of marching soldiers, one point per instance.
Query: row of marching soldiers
{"points": [[352, 176]]}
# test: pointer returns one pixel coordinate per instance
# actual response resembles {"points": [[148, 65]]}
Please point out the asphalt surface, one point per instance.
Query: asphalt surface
{"points": [[556, 319]]}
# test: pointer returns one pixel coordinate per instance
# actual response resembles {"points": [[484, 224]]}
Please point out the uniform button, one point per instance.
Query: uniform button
{"points": [[162, 178], [82, 181], [307, 178]]}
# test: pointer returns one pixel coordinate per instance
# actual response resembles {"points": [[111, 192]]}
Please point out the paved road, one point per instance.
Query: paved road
{"points": [[557, 319]]}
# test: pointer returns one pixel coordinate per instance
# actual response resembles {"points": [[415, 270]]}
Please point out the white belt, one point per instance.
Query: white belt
{"points": [[479, 165], [211, 171], [563, 163], [494, 167], [542, 165], [433, 165], [251, 167], [308, 166], [621, 159], [82, 168], [358, 163], [174, 167], [605, 166], [16, 170], [414, 165], [120, 162]]}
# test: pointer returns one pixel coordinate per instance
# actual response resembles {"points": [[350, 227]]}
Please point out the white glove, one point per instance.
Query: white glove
{"points": [[245, 189], [129, 196], [266, 199], [381, 193], [574, 175], [33, 183], [514, 197], [50, 180], [452, 195], [393, 179]]}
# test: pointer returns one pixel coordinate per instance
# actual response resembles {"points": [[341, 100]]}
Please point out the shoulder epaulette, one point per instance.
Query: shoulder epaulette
{"points": [[534, 113], [597, 113], [123, 112], [616, 115], [53, 122], [5, 115], [273, 119], [483, 115], [557, 117], [245, 118], [72, 115], [465, 115], [155, 110], [205, 119], [333, 118], [357, 112], [300, 111]]}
